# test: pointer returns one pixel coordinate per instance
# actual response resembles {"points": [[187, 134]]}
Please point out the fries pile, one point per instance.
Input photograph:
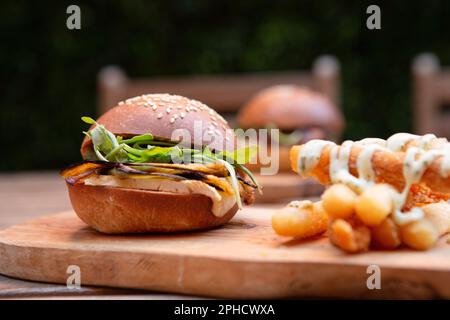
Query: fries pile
{"points": [[360, 210], [358, 223]]}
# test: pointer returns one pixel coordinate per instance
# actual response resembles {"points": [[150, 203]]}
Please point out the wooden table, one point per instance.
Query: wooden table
{"points": [[24, 196]]}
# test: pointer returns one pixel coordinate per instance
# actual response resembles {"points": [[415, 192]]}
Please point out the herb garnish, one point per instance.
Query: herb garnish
{"points": [[146, 149]]}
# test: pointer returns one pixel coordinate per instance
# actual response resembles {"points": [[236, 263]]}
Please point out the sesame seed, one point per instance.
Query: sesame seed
{"points": [[182, 115], [175, 116], [211, 112], [154, 107], [179, 107], [160, 115], [121, 103], [172, 120], [168, 110]]}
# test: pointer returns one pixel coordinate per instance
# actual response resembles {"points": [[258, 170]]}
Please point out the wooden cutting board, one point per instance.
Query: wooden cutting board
{"points": [[243, 259]]}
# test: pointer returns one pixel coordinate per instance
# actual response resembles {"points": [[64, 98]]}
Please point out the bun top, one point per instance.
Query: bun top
{"points": [[290, 107], [161, 115]]}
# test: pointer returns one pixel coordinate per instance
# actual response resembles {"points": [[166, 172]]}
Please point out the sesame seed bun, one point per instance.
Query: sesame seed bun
{"points": [[160, 115], [289, 107], [124, 210]]}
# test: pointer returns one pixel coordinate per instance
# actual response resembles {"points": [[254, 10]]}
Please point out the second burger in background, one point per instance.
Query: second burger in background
{"points": [[299, 113]]}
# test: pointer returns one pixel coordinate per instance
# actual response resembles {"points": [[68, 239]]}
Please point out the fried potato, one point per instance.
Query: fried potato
{"points": [[420, 234], [420, 195], [339, 201], [349, 236], [300, 219], [386, 235], [374, 204]]}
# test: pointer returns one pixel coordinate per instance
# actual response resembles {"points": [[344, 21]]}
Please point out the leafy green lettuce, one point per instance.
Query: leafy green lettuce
{"points": [[146, 149]]}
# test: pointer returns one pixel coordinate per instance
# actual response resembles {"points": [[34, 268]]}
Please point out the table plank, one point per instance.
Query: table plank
{"points": [[28, 195], [15, 288]]}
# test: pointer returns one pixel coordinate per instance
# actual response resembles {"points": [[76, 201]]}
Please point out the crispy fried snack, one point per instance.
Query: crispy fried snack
{"points": [[386, 235], [387, 167], [349, 235], [300, 219], [400, 198]]}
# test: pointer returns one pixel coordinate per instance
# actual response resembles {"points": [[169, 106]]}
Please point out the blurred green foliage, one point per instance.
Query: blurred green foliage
{"points": [[48, 73]]}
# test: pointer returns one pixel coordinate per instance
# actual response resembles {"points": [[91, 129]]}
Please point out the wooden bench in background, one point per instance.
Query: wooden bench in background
{"points": [[225, 93], [431, 98]]}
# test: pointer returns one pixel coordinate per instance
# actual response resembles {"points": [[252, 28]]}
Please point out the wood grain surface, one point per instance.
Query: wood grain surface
{"points": [[244, 259], [27, 195]]}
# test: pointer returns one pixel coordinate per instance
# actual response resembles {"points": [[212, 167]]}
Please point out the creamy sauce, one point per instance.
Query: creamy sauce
{"points": [[398, 141], [445, 163], [311, 152], [425, 141], [420, 154], [364, 165], [339, 173], [221, 201], [371, 141]]}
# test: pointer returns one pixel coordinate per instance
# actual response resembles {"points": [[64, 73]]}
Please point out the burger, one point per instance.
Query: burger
{"points": [[299, 114], [159, 163]]}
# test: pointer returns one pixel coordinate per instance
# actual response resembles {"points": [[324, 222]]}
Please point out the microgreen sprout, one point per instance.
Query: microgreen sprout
{"points": [[146, 148]]}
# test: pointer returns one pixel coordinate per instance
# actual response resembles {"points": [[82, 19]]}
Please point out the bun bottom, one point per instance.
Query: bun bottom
{"points": [[119, 210]]}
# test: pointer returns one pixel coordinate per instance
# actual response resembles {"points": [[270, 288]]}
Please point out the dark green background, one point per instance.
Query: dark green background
{"points": [[48, 73]]}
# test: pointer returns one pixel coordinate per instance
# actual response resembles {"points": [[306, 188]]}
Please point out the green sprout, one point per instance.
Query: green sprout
{"points": [[146, 149]]}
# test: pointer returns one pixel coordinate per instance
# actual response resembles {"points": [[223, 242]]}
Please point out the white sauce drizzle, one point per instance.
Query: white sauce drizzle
{"points": [[397, 142], [445, 162], [371, 141], [364, 165], [310, 155], [339, 173], [416, 162], [426, 140]]}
